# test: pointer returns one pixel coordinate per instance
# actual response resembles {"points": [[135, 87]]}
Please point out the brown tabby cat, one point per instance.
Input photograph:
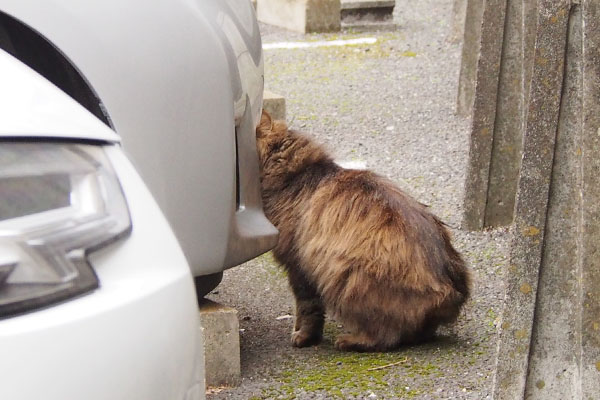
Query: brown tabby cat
{"points": [[357, 246]]}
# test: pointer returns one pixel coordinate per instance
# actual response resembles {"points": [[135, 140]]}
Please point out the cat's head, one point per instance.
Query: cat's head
{"points": [[282, 152], [268, 132], [265, 125]]}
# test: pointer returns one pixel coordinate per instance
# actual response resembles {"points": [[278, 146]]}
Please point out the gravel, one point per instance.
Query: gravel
{"points": [[389, 105]]}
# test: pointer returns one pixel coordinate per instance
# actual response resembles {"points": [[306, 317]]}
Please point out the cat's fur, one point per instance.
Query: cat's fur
{"points": [[356, 246]]}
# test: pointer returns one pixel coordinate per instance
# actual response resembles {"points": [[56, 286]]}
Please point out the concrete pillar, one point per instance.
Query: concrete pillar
{"points": [[549, 346], [532, 200], [470, 56], [589, 292], [496, 96], [554, 364], [509, 120], [487, 51], [457, 28], [535, 162]]}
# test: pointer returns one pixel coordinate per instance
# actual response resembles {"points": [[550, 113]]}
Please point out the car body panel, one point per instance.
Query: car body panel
{"points": [[35, 108], [160, 70], [181, 84], [136, 337]]}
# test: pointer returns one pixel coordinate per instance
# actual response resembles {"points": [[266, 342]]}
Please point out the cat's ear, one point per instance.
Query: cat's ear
{"points": [[265, 125]]}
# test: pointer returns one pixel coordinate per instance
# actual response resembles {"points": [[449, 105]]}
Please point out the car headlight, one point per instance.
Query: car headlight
{"points": [[58, 202]]}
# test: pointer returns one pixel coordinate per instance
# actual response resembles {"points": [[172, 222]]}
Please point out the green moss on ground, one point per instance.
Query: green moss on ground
{"points": [[350, 375], [271, 267]]}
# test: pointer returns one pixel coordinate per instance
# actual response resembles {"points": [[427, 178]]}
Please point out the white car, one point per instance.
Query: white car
{"points": [[98, 281]]}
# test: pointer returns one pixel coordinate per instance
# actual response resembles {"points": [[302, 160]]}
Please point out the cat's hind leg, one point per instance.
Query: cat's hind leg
{"points": [[310, 313], [360, 342]]}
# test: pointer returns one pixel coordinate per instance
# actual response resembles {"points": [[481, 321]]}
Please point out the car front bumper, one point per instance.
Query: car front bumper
{"points": [[181, 83], [136, 337]]}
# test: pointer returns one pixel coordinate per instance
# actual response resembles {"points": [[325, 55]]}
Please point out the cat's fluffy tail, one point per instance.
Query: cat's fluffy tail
{"points": [[460, 276]]}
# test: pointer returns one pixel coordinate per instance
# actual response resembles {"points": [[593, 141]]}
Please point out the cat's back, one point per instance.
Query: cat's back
{"points": [[364, 198], [364, 219]]}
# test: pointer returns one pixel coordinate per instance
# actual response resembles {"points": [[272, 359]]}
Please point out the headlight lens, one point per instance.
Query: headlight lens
{"points": [[58, 202]]}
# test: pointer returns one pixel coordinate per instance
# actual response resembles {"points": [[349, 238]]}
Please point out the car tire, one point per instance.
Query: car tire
{"points": [[206, 283]]}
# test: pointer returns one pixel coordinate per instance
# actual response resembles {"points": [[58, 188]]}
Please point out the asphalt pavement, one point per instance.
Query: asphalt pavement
{"points": [[389, 105]]}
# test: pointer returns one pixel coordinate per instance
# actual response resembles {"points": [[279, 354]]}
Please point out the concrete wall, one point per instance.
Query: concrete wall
{"points": [[540, 171]]}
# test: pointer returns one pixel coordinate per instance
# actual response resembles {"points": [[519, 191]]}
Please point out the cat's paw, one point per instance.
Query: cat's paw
{"points": [[351, 342], [304, 339]]}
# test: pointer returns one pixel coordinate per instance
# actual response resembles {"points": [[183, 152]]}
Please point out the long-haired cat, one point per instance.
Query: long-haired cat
{"points": [[356, 246]]}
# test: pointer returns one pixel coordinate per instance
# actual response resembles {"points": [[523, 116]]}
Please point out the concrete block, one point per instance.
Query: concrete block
{"points": [[274, 104], [368, 14], [199, 392], [366, 4], [301, 15], [221, 343]]}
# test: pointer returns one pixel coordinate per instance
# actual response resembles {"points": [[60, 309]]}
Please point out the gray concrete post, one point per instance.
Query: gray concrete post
{"points": [[554, 360], [470, 56], [509, 122], [459, 12], [590, 190], [532, 200], [549, 344], [499, 109], [484, 104], [535, 162]]}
